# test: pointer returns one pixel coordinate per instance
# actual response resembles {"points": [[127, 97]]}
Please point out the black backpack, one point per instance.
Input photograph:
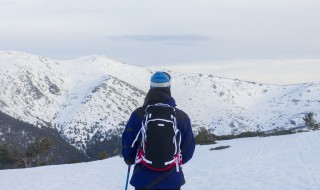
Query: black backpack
{"points": [[159, 149]]}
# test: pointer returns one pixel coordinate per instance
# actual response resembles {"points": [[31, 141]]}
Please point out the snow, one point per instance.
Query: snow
{"points": [[283, 162], [289, 162], [97, 94]]}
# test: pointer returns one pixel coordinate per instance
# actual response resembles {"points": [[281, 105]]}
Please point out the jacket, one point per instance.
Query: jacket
{"points": [[143, 177]]}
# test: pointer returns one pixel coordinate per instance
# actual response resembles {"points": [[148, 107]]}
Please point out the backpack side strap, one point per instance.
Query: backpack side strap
{"points": [[175, 162]]}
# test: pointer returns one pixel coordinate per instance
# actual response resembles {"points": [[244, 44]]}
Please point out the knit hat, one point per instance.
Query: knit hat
{"points": [[160, 79]]}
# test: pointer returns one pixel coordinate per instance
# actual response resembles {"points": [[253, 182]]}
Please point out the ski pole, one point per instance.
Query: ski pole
{"points": [[128, 174]]}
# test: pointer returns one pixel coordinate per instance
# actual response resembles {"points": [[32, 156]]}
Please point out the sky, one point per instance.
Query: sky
{"points": [[179, 33], [279, 72]]}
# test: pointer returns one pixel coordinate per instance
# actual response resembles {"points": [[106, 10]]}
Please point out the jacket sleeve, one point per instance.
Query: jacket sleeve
{"points": [[187, 144], [128, 136]]}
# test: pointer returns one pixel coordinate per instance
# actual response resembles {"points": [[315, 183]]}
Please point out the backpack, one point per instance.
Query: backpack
{"points": [[159, 149]]}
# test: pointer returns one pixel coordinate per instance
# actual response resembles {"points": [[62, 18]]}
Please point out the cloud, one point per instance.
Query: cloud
{"points": [[154, 32], [162, 38]]}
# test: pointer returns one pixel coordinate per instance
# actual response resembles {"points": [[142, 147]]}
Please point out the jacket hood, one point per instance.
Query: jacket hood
{"points": [[159, 95]]}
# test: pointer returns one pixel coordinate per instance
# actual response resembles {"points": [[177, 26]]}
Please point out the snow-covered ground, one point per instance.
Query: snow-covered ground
{"points": [[289, 162]]}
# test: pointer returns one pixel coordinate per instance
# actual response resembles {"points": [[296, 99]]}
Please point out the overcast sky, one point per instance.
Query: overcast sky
{"points": [[165, 32]]}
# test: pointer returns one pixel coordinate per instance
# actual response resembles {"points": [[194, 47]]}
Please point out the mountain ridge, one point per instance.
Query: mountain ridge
{"points": [[93, 96]]}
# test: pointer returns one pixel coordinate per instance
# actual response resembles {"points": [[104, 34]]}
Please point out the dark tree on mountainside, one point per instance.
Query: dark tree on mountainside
{"points": [[205, 136], [36, 150], [310, 122], [102, 155], [18, 137], [35, 155], [6, 155]]}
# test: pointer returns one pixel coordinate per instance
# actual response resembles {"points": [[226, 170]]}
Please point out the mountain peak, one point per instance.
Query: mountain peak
{"points": [[88, 97]]}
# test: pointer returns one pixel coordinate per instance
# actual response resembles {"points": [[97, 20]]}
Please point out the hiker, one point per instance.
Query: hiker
{"points": [[158, 139]]}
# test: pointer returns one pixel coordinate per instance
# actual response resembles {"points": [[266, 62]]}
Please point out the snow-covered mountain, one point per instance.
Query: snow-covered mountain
{"points": [[288, 162], [91, 97]]}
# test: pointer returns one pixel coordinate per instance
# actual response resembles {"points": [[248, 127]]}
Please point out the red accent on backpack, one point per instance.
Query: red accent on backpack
{"points": [[140, 160]]}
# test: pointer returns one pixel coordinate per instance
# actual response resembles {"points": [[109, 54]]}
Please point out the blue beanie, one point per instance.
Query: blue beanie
{"points": [[160, 79]]}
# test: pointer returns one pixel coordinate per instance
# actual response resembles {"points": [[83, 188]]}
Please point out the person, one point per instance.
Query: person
{"points": [[144, 178]]}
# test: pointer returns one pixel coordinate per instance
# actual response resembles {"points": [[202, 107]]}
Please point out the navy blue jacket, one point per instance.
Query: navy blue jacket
{"points": [[143, 177]]}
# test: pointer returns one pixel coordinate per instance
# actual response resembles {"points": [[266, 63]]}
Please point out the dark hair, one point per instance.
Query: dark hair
{"points": [[168, 75]]}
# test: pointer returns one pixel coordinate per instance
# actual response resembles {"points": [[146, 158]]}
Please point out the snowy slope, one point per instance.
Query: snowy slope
{"points": [[31, 87], [233, 106], [92, 96], [280, 163]]}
